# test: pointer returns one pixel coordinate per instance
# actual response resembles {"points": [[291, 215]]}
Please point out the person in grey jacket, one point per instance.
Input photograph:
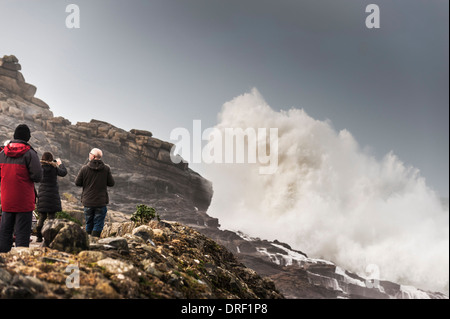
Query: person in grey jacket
{"points": [[95, 178]]}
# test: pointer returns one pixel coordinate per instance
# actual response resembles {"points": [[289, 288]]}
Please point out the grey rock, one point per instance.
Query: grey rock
{"points": [[10, 58], [12, 66], [5, 276], [91, 256], [31, 283], [13, 292], [117, 267], [118, 243], [141, 132], [143, 231], [64, 236]]}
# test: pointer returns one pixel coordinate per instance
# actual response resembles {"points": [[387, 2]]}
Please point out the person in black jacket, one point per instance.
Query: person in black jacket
{"points": [[49, 201], [95, 178]]}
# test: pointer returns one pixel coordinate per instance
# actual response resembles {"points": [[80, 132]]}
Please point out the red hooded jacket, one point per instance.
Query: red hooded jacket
{"points": [[20, 168]]}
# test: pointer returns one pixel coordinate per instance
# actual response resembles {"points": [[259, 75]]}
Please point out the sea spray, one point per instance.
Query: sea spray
{"points": [[332, 200]]}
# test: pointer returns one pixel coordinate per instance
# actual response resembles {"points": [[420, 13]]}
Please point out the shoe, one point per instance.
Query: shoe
{"points": [[96, 233]]}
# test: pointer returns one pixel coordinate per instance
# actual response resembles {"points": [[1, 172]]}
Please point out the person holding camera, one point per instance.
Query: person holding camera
{"points": [[49, 201]]}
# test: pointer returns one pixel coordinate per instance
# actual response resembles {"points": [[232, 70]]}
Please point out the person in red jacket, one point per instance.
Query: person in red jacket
{"points": [[20, 168]]}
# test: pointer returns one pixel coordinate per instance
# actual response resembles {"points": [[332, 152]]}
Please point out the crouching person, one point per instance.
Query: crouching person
{"points": [[95, 178]]}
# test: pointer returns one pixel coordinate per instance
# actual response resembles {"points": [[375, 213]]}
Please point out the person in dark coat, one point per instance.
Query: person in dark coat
{"points": [[19, 170], [95, 178], [49, 201]]}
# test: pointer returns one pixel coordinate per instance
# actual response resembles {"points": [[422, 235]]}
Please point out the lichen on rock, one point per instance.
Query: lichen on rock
{"points": [[178, 263]]}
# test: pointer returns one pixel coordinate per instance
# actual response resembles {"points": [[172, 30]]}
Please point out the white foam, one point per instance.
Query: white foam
{"points": [[332, 200]]}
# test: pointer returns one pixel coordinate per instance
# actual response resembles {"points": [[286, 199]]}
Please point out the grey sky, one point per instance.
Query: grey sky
{"points": [[157, 65]]}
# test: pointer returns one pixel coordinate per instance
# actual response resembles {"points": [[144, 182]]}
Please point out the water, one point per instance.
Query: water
{"points": [[332, 200]]}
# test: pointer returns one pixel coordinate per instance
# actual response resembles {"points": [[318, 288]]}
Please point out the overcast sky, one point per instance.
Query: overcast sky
{"points": [[160, 64]]}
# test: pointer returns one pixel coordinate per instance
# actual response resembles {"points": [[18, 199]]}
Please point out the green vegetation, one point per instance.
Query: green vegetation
{"points": [[144, 214], [66, 215]]}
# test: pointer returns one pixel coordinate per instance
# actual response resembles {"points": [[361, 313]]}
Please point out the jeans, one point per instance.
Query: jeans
{"points": [[95, 218], [18, 222]]}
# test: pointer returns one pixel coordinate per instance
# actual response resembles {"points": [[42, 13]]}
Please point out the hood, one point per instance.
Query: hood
{"points": [[16, 149], [96, 165], [48, 164]]}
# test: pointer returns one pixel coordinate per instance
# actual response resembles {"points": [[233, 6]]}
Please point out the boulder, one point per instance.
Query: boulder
{"points": [[117, 267], [8, 83], [141, 132], [10, 58], [91, 256], [12, 66], [8, 73], [143, 231], [40, 103], [27, 90], [118, 243], [64, 235], [117, 229]]}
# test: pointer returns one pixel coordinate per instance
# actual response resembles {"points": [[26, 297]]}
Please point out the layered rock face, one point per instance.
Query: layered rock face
{"points": [[13, 81], [141, 164]]}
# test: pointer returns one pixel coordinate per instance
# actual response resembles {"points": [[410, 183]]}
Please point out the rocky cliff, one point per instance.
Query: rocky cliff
{"points": [[145, 174], [155, 260], [141, 163]]}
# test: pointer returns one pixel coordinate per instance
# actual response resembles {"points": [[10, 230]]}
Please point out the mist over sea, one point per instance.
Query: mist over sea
{"points": [[332, 199]]}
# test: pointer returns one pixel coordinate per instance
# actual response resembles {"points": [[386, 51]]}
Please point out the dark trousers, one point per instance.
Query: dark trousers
{"points": [[20, 223], [42, 218]]}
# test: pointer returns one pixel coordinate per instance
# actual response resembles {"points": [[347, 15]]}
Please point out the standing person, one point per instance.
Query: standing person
{"points": [[19, 170], [49, 201], [95, 177], [1, 149]]}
